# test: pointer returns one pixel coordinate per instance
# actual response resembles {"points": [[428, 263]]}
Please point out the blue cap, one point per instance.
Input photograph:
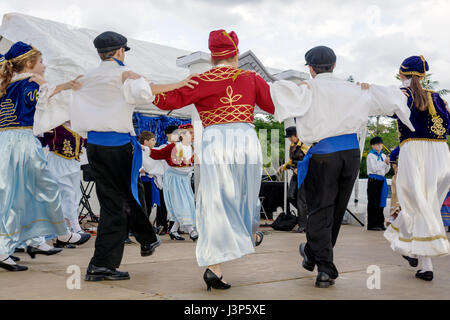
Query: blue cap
{"points": [[109, 41], [18, 50], [415, 65], [320, 56]]}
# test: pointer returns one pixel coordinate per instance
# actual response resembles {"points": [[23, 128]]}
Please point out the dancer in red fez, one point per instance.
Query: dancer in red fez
{"points": [[228, 208]]}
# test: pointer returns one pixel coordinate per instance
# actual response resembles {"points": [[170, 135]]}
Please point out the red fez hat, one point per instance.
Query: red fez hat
{"points": [[186, 126], [223, 45]]}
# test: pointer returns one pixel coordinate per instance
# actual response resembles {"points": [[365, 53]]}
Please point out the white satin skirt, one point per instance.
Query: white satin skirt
{"points": [[228, 207], [30, 202], [423, 181], [67, 174]]}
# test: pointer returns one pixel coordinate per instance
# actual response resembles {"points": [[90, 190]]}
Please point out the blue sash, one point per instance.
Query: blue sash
{"points": [[327, 145], [154, 190], [384, 190], [116, 139]]}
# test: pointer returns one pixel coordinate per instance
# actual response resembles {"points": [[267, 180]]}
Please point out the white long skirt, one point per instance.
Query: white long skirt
{"points": [[423, 181], [67, 174], [228, 206]]}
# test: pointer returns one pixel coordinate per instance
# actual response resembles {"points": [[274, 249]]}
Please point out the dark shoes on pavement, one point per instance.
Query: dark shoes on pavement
{"points": [[427, 275], [148, 249], [323, 280], [95, 273], [413, 262]]}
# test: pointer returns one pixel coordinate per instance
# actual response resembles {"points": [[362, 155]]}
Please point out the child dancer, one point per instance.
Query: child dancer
{"points": [[423, 173], [31, 203], [377, 166], [178, 193], [65, 148]]}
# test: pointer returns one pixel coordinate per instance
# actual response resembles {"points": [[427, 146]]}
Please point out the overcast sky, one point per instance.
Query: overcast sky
{"points": [[370, 38]]}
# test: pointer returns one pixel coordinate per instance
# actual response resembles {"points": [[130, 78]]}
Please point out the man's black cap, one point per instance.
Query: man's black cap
{"points": [[170, 129], [291, 131], [320, 56], [109, 41], [376, 140]]}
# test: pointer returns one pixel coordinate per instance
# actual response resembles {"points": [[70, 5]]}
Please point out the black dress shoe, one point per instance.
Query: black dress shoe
{"points": [[15, 259], [174, 236], [300, 230], [95, 273], [323, 280], [427, 275], [261, 237], [147, 250], [413, 262], [306, 264], [12, 267], [213, 281], [32, 251], [84, 238]]}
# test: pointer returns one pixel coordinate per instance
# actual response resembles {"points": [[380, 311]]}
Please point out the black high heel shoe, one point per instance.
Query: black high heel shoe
{"points": [[174, 236], [261, 237], [193, 235], [213, 281], [12, 267], [32, 251]]}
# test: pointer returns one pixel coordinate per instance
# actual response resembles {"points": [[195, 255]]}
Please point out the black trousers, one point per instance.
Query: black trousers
{"points": [[297, 198], [328, 186], [161, 212], [119, 211], [375, 216]]}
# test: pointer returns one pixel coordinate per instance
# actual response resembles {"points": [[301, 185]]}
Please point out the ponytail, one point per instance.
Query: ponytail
{"points": [[419, 94], [9, 67], [6, 75]]}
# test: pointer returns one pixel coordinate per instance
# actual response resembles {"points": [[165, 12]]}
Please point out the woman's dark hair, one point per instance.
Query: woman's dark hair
{"points": [[419, 94], [146, 135], [319, 70]]}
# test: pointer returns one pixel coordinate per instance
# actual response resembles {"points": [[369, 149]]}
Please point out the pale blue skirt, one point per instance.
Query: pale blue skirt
{"points": [[228, 207], [179, 197], [30, 204]]}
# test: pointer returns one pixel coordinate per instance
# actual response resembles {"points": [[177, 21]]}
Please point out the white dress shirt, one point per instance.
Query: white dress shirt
{"points": [[154, 168], [375, 166], [104, 103], [331, 107]]}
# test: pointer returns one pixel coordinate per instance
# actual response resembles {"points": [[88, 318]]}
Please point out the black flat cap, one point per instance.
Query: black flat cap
{"points": [[320, 56], [291, 131], [376, 140], [109, 41]]}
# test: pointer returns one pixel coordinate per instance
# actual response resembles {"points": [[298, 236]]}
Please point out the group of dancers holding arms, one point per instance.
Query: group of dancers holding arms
{"points": [[38, 197]]}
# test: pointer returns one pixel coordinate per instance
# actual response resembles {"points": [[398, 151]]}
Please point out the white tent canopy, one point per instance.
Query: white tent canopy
{"points": [[69, 51]]}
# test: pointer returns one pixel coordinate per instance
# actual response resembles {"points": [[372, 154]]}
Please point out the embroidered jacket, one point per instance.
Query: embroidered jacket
{"points": [[432, 124], [18, 105], [173, 155], [64, 142], [223, 95]]}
